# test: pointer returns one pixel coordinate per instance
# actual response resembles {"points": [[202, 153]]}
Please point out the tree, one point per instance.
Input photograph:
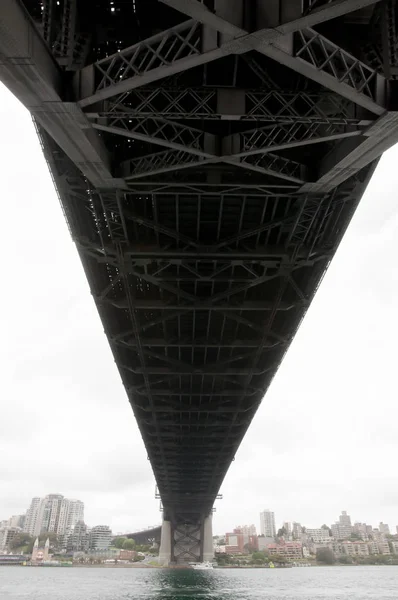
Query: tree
{"points": [[278, 558], [128, 544], [345, 560], [325, 556], [282, 532], [119, 541], [20, 540], [259, 556]]}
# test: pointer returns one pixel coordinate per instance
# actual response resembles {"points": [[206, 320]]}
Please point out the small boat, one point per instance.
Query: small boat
{"points": [[202, 565]]}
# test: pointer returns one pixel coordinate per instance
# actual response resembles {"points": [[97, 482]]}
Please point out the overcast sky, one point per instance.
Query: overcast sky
{"points": [[325, 438]]}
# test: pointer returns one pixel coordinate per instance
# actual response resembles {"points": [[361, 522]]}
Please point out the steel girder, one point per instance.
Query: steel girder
{"points": [[202, 255]]}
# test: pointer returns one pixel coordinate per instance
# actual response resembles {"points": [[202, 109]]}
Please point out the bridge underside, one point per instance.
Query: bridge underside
{"points": [[208, 158]]}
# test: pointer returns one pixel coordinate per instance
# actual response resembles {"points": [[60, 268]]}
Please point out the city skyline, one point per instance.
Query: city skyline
{"points": [[256, 526], [308, 445]]}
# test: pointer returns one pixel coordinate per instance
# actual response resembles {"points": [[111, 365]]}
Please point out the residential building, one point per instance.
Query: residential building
{"points": [[362, 529], [342, 529], [248, 529], [239, 542], [34, 517], [79, 539], [16, 521], [384, 529], [263, 542], [54, 513], [288, 530], [377, 536], [289, 550], [267, 523], [384, 547], [100, 537], [7, 534], [296, 530], [394, 546], [54, 508], [318, 536], [396, 529], [355, 548], [75, 513]]}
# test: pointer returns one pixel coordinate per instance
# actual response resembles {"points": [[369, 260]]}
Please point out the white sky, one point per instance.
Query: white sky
{"points": [[325, 438]]}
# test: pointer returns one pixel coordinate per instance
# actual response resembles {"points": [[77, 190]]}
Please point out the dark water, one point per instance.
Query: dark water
{"points": [[313, 583]]}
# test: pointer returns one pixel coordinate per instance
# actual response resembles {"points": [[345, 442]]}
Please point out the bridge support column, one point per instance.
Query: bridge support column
{"points": [[165, 544], [207, 540]]}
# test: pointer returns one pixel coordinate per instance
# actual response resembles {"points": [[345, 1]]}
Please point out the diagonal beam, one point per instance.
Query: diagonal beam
{"points": [[164, 133], [162, 55], [352, 155], [278, 43], [123, 71], [331, 10]]}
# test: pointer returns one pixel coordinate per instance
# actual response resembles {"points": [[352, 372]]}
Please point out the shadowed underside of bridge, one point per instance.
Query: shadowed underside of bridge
{"points": [[208, 158]]}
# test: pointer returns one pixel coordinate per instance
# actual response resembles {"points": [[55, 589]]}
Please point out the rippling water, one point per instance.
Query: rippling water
{"points": [[315, 583]]}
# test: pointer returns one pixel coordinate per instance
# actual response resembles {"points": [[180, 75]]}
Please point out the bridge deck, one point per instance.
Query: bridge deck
{"points": [[208, 162]]}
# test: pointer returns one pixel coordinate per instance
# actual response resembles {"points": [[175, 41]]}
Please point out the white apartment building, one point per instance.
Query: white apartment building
{"points": [[318, 536], [34, 517], [267, 523], [247, 529], [54, 513], [75, 513]]}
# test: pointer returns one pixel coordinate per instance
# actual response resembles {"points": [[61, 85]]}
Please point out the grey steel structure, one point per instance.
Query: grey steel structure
{"points": [[208, 158]]}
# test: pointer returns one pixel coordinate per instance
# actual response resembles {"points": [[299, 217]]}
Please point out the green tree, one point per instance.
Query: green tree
{"points": [[325, 556], [20, 540], [119, 541], [345, 560], [278, 558], [259, 556], [128, 544]]}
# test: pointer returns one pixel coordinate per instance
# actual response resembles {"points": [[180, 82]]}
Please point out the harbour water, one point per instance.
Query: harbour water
{"points": [[315, 583]]}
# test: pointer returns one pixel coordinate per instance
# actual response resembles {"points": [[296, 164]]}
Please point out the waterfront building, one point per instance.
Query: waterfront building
{"points": [[289, 550], [100, 537], [7, 534]]}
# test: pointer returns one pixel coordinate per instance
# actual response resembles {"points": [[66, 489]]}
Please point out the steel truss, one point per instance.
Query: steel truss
{"points": [[207, 175]]}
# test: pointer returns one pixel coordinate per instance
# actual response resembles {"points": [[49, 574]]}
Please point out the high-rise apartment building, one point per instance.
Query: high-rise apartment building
{"points": [[296, 530], [75, 513], [343, 528], [267, 523], [34, 517], [54, 513], [51, 513]]}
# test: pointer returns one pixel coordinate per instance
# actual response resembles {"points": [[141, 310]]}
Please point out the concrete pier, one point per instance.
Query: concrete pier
{"points": [[165, 544], [207, 542]]}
